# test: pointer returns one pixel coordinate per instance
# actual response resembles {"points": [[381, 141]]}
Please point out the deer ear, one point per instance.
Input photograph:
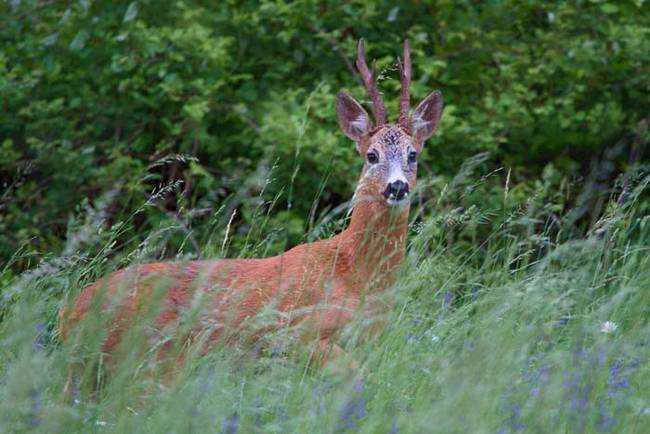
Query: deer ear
{"points": [[426, 117], [353, 119]]}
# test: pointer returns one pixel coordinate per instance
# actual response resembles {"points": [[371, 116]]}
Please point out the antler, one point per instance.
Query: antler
{"points": [[405, 76], [370, 81]]}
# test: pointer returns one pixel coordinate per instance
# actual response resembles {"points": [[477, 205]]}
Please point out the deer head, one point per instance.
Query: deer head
{"points": [[390, 151]]}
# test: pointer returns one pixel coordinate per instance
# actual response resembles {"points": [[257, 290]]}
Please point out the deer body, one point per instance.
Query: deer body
{"points": [[332, 274], [320, 284]]}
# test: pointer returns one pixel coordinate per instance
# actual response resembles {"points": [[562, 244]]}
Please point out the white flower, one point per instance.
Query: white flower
{"points": [[608, 326], [434, 338]]}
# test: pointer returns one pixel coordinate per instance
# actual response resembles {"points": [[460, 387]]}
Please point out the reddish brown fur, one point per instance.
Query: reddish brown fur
{"points": [[335, 272], [319, 284]]}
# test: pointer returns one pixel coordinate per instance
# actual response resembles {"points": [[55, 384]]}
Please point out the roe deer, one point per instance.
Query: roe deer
{"points": [[319, 285]]}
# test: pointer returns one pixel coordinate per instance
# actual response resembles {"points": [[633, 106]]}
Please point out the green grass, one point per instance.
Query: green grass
{"points": [[502, 333]]}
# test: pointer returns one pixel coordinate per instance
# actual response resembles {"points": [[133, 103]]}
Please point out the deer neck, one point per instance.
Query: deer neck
{"points": [[376, 240]]}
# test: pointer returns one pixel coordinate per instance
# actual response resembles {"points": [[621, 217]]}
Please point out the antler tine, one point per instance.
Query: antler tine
{"points": [[405, 76], [370, 81]]}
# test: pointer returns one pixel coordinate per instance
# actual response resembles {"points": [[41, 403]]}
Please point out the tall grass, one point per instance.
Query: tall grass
{"points": [[521, 329]]}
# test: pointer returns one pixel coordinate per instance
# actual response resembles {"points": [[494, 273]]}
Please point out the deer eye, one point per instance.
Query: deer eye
{"points": [[413, 156], [372, 157]]}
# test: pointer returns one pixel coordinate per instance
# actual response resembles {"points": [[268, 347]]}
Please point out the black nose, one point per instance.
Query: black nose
{"points": [[396, 190]]}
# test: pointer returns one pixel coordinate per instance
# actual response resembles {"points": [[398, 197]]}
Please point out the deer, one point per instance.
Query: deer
{"points": [[319, 285]]}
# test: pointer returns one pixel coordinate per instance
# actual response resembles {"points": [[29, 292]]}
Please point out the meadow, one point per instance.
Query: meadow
{"points": [[528, 331]]}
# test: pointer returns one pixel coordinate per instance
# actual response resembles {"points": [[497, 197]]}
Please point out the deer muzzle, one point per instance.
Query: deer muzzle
{"points": [[396, 191]]}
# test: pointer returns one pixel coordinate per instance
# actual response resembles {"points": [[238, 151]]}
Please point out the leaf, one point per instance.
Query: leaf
{"points": [[131, 12], [197, 169], [79, 41], [196, 110], [50, 40], [392, 15], [609, 8]]}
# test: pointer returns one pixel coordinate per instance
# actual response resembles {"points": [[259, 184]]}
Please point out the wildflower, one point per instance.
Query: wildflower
{"points": [[514, 421], [606, 423], [76, 390], [616, 381], [434, 338], [39, 342], [230, 425], [449, 298], [37, 408], [258, 412], [411, 338], [608, 326], [354, 408]]}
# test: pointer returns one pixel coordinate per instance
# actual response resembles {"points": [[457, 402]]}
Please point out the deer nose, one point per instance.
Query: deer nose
{"points": [[396, 190]]}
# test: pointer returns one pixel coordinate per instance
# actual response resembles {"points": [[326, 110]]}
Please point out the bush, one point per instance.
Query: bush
{"points": [[185, 101]]}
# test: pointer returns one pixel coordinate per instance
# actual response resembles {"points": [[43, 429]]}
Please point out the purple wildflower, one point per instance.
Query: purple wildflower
{"points": [[37, 408], [580, 397], [514, 421], [230, 425], [616, 381], [358, 385], [411, 338], [606, 423], [39, 342], [354, 408], [474, 292], [351, 411], [258, 412], [449, 297]]}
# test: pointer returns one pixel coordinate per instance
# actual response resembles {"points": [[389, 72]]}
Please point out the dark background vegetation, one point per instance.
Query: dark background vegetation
{"points": [[202, 108]]}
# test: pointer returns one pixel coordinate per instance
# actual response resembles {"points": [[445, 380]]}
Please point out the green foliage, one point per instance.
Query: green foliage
{"points": [[197, 96]]}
